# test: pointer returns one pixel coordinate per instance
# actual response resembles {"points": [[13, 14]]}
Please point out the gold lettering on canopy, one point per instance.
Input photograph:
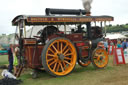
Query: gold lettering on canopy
{"points": [[86, 19], [66, 19], [103, 19], [36, 19]]}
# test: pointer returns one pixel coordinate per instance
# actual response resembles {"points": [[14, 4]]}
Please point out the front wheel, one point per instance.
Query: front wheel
{"points": [[99, 58], [59, 56]]}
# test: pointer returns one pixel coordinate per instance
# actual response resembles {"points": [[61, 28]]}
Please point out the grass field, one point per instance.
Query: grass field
{"points": [[111, 75], [3, 59]]}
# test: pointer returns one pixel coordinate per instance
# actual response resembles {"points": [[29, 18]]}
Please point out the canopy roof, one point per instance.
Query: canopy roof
{"points": [[58, 20]]}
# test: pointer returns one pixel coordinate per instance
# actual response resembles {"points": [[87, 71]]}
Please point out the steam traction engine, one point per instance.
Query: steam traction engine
{"points": [[58, 51]]}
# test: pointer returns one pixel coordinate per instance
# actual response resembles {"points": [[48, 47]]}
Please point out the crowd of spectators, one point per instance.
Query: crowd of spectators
{"points": [[120, 44]]}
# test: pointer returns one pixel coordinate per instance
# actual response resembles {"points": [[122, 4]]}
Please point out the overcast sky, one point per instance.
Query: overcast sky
{"points": [[11, 8]]}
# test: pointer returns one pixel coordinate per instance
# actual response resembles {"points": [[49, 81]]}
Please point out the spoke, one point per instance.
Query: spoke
{"points": [[67, 62], [68, 54], [51, 59], [66, 51], [99, 51], [54, 66], [51, 55], [52, 62], [100, 62], [100, 55], [64, 64], [103, 61], [65, 47], [61, 67], [57, 45], [96, 54], [61, 47], [51, 50], [98, 58], [67, 58], [57, 68], [55, 48]]}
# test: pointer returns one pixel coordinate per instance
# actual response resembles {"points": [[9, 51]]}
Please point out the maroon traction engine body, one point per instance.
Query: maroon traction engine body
{"points": [[58, 51]]}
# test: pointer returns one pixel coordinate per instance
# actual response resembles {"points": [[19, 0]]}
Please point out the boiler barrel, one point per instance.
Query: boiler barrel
{"points": [[49, 11]]}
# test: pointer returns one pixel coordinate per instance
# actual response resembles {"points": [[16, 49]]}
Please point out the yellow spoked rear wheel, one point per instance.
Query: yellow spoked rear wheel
{"points": [[59, 56], [100, 58]]}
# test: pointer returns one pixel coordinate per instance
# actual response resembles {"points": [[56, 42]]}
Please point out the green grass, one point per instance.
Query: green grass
{"points": [[3, 59], [80, 76], [111, 75]]}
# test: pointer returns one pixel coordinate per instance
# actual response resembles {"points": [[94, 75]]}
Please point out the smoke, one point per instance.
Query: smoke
{"points": [[87, 5]]}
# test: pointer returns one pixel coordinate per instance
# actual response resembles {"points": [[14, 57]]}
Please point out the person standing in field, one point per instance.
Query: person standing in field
{"points": [[127, 45], [111, 43], [119, 44], [16, 62], [106, 45], [10, 59], [124, 44]]}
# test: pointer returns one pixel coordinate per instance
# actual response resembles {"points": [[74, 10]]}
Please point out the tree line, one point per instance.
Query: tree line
{"points": [[117, 28]]}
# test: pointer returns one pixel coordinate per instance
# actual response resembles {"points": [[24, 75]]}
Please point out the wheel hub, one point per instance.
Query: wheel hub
{"points": [[101, 58], [61, 57]]}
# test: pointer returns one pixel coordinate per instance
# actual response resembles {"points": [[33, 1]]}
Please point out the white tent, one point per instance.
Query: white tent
{"points": [[115, 36]]}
